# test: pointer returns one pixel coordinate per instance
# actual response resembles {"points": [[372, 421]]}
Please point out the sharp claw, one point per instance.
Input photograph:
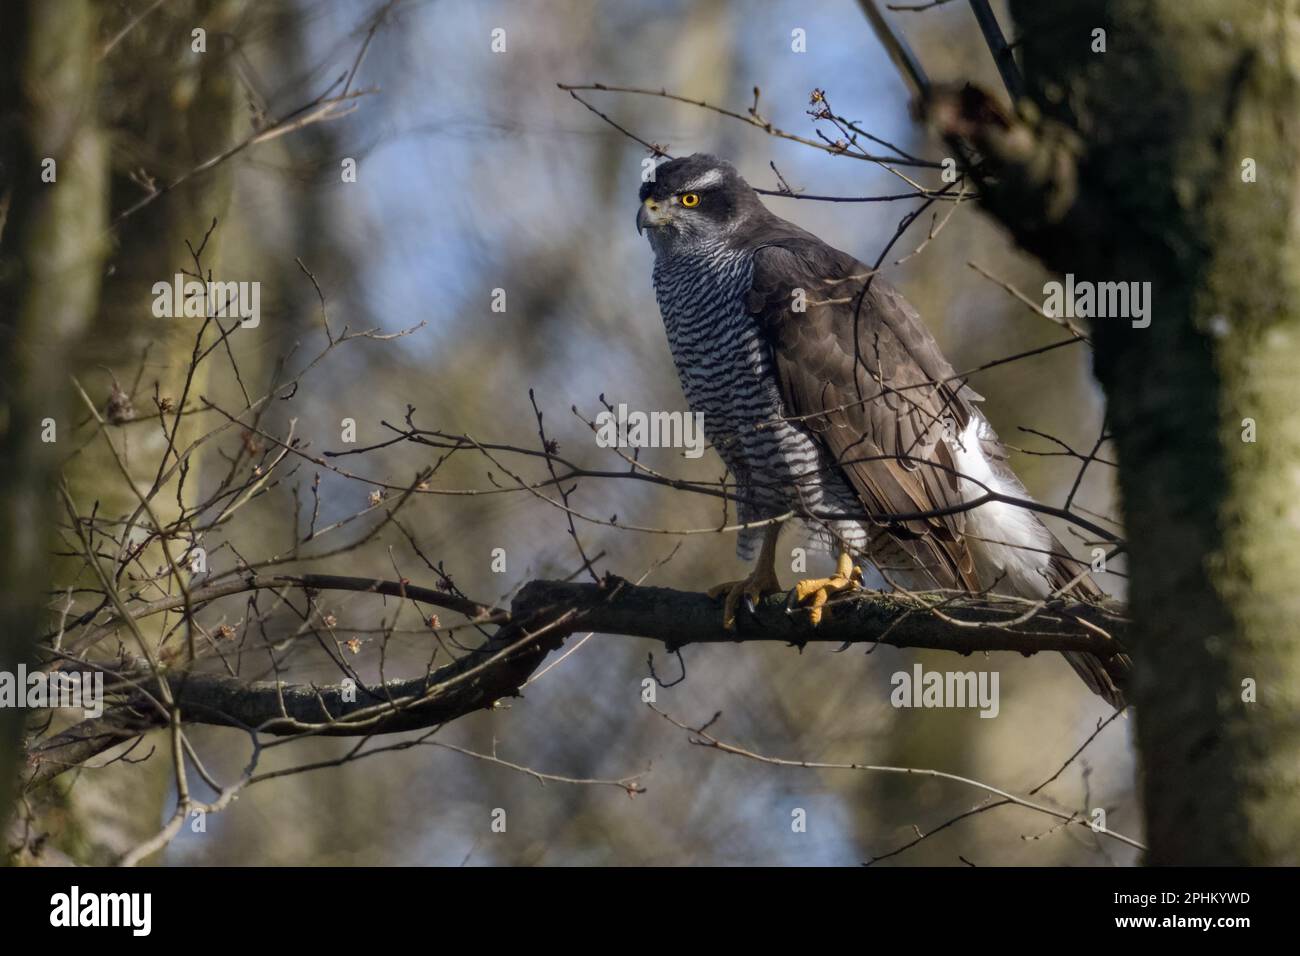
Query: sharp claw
{"points": [[749, 592], [718, 592]]}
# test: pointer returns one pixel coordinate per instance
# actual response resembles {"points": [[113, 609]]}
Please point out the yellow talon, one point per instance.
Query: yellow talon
{"points": [[848, 577]]}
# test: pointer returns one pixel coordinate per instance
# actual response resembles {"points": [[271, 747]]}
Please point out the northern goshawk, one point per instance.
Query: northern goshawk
{"points": [[829, 400]]}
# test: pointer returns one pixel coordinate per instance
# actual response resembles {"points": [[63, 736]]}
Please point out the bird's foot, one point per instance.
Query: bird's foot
{"points": [[761, 582], [814, 592]]}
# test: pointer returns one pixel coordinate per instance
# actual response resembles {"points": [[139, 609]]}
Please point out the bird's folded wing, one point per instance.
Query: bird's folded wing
{"points": [[861, 372]]}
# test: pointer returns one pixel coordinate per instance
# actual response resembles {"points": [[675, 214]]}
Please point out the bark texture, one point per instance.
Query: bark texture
{"points": [[1155, 187], [52, 247]]}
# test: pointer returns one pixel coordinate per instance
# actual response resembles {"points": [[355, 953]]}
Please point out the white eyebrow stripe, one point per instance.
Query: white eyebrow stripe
{"points": [[711, 178]]}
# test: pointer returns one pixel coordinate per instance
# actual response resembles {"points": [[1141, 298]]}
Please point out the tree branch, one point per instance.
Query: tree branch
{"points": [[1002, 55], [542, 615], [940, 621]]}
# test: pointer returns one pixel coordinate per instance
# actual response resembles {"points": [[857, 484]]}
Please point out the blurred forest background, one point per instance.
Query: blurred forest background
{"points": [[475, 172]]}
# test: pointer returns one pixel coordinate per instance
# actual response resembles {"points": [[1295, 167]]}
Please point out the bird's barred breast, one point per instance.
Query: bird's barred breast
{"points": [[727, 375]]}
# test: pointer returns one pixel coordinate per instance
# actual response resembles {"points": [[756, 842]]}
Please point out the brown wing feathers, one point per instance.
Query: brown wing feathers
{"points": [[867, 378], [860, 372]]}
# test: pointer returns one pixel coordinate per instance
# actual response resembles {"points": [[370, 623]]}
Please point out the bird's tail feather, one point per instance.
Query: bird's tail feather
{"points": [[1105, 678]]}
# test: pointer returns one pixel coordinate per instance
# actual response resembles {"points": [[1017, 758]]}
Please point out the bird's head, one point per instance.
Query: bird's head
{"points": [[693, 201]]}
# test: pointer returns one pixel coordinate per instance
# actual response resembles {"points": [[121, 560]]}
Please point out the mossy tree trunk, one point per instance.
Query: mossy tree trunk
{"points": [[77, 300], [1190, 101], [52, 247], [170, 107]]}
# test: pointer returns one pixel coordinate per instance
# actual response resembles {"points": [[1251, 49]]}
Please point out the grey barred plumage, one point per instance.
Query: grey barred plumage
{"points": [[825, 395], [726, 374]]}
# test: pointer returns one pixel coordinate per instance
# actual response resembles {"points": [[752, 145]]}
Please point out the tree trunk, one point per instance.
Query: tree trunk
{"points": [[170, 109], [52, 245], [1185, 93]]}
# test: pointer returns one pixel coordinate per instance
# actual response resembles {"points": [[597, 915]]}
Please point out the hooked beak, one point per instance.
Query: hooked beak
{"points": [[650, 215]]}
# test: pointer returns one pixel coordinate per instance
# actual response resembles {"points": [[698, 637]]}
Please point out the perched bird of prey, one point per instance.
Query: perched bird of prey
{"points": [[829, 401]]}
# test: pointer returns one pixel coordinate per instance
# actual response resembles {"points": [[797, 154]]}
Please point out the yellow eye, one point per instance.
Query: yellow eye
{"points": [[690, 199]]}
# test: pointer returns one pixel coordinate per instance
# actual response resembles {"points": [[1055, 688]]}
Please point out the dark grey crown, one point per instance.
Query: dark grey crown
{"points": [[677, 174], [724, 200]]}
